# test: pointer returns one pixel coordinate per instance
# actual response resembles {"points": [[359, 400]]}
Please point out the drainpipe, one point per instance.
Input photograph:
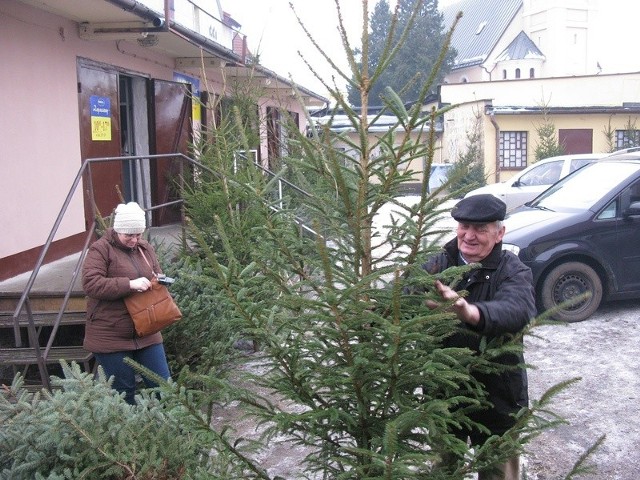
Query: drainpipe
{"points": [[489, 71], [497, 144], [144, 12], [167, 25]]}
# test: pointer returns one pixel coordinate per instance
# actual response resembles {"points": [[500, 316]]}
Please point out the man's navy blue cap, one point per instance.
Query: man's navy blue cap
{"points": [[484, 208]]}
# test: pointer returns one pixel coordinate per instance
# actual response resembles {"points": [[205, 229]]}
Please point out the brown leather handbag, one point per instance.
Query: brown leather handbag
{"points": [[153, 309]]}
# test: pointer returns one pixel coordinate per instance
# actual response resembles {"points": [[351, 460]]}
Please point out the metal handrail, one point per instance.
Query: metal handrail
{"points": [[281, 182], [67, 295], [32, 334], [86, 165], [45, 249]]}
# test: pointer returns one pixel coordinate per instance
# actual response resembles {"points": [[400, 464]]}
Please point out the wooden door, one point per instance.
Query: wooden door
{"points": [[576, 140], [99, 137], [171, 133]]}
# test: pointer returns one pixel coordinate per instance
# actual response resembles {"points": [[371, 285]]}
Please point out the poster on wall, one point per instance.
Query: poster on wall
{"points": [[100, 118], [195, 92]]}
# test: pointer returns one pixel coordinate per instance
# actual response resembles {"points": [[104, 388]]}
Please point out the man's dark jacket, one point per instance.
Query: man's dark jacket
{"points": [[502, 289]]}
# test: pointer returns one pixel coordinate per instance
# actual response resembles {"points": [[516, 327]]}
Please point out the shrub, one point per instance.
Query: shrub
{"points": [[203, 340], [84, 429]]}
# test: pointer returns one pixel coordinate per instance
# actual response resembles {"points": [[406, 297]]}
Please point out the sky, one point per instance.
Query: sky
{"points": [[274, 33]]}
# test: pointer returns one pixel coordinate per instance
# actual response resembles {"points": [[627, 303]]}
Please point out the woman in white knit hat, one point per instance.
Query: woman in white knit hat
{"points": [[118, 264]]}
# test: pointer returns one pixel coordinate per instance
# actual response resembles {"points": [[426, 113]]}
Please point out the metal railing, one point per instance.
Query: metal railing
{"points": [[24, 303]]}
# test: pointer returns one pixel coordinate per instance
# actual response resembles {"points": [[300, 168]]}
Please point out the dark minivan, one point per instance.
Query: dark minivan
{"points": [[582, 235]]}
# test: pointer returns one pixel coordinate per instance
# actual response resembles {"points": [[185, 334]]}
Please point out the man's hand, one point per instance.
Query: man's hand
{"points": [[464, 310]]}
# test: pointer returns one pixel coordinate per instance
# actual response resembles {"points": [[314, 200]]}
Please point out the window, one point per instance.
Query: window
{"points": [[504, 74], [279, 124], [610, 211], [513, 150], [274, 136], [627, 138], [517, 73], [577, 163], [622, 202], [544, 174], [532, 73]]}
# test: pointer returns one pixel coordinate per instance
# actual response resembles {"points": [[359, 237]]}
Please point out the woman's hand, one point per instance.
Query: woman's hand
{"points": [[141, 284]]}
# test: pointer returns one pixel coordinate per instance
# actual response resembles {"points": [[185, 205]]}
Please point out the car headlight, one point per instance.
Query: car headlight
{"points": [[511, 248]]}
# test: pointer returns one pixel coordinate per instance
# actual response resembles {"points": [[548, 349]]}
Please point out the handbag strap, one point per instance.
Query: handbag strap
{"points": [[146, 261]]}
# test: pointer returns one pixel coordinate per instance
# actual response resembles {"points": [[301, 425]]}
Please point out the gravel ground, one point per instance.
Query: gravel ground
{"points": [[605, 353]]}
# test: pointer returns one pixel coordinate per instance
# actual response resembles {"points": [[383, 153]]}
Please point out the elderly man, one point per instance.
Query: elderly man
{"points": [[500, 301]]}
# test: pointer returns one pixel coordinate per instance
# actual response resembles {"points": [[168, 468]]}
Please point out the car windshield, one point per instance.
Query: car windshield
{"points": [[582, 189]]}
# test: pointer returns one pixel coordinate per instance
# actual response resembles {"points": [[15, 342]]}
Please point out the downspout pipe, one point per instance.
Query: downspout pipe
{"points": [[143, 11], [497, 144]]}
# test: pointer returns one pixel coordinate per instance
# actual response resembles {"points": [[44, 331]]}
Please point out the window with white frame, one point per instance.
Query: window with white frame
{"points": [[513, 150], [627, 139]]}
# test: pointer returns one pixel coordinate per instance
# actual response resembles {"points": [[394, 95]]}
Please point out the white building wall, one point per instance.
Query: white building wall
{"points": [[601, 90], [40, 155], [565, 31], [40, 150]]}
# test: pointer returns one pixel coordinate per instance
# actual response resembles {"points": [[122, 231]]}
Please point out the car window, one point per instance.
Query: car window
{"points": [[634, 192], [544, 174], [438, 176], [610, 211], [577, 163], [631, 193], [583, 188]]}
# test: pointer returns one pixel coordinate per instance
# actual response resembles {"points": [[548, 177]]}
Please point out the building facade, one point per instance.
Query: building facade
{"points": [[523, 63], [591, 114], [113, 78]]}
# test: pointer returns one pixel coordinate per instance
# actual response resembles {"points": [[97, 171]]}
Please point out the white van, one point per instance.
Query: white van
{"points": [[536, 178]]}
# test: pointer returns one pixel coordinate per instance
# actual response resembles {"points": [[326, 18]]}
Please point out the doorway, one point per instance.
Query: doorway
{"points": [[124, 114], [134, 137]]}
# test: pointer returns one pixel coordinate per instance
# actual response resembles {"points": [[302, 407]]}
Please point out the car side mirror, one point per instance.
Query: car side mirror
{"points": [[633, 210]]}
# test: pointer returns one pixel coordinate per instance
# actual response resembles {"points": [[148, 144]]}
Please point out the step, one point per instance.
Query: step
{"points": [[27, 356], [43, 319], [43, 301], [30, 387]]}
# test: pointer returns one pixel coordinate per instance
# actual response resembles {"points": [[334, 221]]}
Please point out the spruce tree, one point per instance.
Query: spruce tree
{"points": [[468, 172], [334, 295], [548, 144], [331, 287], [416, 32]]}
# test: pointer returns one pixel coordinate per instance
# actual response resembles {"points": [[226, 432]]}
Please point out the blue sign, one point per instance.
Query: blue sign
{"points": [[100, 106], [195, 83]]}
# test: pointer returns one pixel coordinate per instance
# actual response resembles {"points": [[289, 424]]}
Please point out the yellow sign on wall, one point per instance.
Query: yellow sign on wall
{"points": [[100, 118], [101, 129]]}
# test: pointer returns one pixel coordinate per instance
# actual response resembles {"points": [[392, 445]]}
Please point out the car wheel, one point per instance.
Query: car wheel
{"points": [[567, 281]]}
